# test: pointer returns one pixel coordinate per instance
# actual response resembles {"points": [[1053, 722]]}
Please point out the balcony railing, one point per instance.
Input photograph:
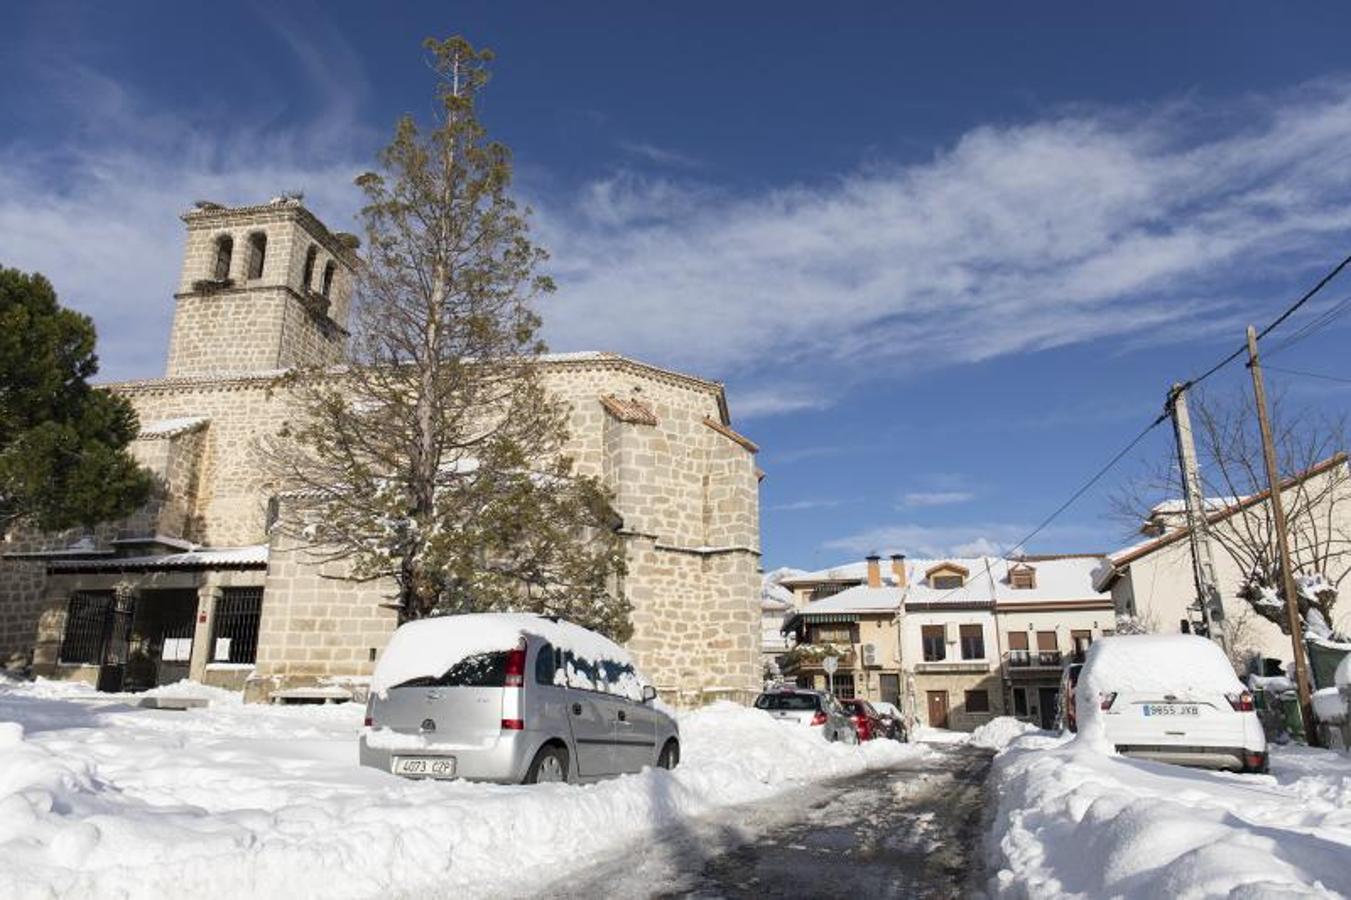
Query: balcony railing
{"points": [[1034, 659]]}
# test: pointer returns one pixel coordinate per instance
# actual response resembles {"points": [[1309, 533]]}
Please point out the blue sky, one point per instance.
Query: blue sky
{"points": [[946, 263]]}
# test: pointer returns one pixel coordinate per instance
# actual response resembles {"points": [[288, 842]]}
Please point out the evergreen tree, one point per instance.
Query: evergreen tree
{"points": [[63, 457], [435, 457]]}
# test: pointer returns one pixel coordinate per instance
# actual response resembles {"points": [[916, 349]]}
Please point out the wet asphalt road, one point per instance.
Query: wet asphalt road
{"points": [[911, 831]]}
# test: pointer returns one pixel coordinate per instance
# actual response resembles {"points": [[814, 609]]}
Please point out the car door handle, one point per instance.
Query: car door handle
{"points": [[623, 716], [576, 709]]}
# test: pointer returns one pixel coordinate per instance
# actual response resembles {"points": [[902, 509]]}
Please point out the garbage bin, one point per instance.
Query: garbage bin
{"points": [[1292, 718]]}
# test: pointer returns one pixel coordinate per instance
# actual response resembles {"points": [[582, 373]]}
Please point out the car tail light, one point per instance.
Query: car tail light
{"points": [[369, 721], [819, 718], [516, 668], [1107, 700], [1254, 760], [1240, 702], [513, 725]]}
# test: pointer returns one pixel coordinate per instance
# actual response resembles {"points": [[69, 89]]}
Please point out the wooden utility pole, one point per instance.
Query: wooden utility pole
{"points": [[1198, 520], [1282, 543]]}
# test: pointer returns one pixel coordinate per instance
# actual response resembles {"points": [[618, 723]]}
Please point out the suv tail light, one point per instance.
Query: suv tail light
{"points": [[1107, 700], [369, 721], [1240, 702], [513, 725], [516, 668], [819, 718]]}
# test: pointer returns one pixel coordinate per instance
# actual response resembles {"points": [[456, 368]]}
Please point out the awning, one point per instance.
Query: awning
{"points": [[254, 557]]}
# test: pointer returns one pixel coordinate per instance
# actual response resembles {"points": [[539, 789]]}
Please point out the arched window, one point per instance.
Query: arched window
{"points": [[308, 276], [329, 271], [257, 254], [225, 247]]}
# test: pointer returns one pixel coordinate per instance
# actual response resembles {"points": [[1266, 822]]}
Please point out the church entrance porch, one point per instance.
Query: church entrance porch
{"points": [[161, 638]]}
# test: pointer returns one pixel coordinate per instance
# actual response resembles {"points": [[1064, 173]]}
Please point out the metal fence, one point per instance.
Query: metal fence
{"points": [[87, 619], [234, 636]]}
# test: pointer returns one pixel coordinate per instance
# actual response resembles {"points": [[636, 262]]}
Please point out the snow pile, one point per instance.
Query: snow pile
{"points": [[1342, 677], [1329, 706], [1072, 822], [234, 800], [429, 647], [999, 732]]}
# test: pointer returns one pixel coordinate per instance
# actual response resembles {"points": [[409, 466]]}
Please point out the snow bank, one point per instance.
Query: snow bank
{"points": [[1072, 822], [259, 801], [1329, 706], [998, 733], [429, 647]]}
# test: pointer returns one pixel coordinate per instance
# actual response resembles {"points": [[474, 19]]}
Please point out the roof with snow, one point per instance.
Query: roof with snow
{"points": [[251, 557], [170, 428]]}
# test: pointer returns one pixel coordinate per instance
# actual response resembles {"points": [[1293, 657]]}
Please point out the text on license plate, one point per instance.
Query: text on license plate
{"points": [[425, 766], [1171, 709]]}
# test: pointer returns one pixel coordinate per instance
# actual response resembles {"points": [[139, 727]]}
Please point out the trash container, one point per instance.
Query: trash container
{"points": [[1291, 716]]}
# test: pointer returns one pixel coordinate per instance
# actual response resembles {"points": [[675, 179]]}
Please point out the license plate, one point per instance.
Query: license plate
{"points": [[1171, 709], [425, 766]]}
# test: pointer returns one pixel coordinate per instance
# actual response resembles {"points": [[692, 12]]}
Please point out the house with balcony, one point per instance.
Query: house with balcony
{"points": [[954, 641]]}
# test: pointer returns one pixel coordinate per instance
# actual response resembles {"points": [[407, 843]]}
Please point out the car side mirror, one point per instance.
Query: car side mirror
{"points": [[649, 693]]}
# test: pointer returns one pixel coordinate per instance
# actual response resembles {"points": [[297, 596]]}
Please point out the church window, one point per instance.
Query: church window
{"points": [[225, 248], [329, 271], [307, 277], [257, 254]]}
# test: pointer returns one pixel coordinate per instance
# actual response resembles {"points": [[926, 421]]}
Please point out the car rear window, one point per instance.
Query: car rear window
{"points": [[479, 670], [787, 701]]}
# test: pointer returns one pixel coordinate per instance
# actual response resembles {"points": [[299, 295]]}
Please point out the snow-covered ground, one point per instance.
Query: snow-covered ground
{"points": [[1075, 822], [99, 798]]}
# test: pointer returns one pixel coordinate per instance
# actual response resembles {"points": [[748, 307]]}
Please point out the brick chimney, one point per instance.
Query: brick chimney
{"points": [[898, 568], [874, 571]]}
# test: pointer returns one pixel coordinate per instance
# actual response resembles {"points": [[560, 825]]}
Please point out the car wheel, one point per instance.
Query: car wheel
{"points": [[550, 765], [670, 755]]}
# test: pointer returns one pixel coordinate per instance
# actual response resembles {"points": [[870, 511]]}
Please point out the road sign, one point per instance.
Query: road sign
{"points": [[830, 664]]}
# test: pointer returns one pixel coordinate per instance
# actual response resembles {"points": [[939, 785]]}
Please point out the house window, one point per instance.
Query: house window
{"points": [[307, 276], [946, 582], [1017, 640], [1046, 641], [1080, 641], [844, 686], [977, 701], [838, 633], [257, 254], [973, 642], [329, 271], [935, 644], [234, 634], [86, 624], [225, 248], [1023, 578], [1019, 701], [821, 591]]}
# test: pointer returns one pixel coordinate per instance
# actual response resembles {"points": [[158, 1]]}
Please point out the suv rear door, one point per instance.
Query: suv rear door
{"points": [[592, 716], [461, 707]]}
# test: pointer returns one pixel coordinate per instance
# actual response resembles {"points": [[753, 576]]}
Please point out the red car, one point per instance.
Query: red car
{"points": [[866, 721]]}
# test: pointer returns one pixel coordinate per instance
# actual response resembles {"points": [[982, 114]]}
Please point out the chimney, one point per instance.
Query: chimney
{"points": [[874, 571], [898, 568]]}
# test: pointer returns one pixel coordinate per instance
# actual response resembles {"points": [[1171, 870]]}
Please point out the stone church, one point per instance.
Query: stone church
{"points": [[198, 584]]}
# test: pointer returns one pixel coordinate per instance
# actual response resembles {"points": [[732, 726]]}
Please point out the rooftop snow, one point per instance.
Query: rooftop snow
{"points": [[167, 428], [254, 556]]}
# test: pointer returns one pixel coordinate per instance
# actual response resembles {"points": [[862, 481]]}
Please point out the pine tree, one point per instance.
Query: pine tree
{"points": [[63, 457], [435, 458]]}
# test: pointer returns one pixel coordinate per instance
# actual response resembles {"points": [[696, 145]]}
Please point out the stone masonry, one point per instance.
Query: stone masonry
{"points": [[685, 483]]}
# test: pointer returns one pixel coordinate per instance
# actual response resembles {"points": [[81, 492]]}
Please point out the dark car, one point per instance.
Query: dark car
{"points": [[867, 722], [1069, 677]]}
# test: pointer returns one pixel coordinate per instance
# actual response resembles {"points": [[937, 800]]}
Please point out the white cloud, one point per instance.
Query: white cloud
{"points": [[660, 155], [801, 505], [937, 498], [931, 541], [1057, 231]]}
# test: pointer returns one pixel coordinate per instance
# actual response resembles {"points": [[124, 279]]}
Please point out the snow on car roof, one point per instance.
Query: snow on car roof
{"points": [[431, 646], [1176, 663]]}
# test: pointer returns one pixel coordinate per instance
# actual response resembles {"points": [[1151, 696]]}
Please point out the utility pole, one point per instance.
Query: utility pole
{"points": [[1282, 543], [1198, 521]]}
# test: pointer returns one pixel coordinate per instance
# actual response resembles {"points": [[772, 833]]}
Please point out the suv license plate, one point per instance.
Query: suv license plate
{"points": [[425, 766], [1171, 709]]}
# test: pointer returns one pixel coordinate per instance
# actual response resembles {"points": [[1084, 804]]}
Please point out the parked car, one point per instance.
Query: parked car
{"points": [[1069, 679], [511, 698], [809, 709], [893, 723], [1173, 698], [866, 721]]}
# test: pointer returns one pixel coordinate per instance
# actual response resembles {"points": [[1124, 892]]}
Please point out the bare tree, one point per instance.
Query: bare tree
{"points": [[434, 459], [1316, 494]]}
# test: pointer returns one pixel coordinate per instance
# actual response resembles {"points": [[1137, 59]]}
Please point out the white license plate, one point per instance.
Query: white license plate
{"points": [[1170, 709], [425, 766]]}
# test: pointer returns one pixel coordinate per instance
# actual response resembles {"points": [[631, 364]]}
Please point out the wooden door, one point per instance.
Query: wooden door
{"points": [[938, 709]]}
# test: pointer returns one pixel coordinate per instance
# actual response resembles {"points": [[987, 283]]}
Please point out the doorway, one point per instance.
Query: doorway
{"points": [[160, 647], [890, 688], [1048, 702], [938, 709]]}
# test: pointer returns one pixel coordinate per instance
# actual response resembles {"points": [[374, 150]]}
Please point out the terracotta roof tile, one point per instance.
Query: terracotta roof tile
{"points": [[634, 411]]}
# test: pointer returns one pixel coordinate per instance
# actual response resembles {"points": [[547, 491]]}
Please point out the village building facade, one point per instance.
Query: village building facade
{"points": [[200, 584], [953, 642]]}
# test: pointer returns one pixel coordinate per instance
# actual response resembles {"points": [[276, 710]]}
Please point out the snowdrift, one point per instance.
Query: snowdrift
{"points": [[100, 799]]}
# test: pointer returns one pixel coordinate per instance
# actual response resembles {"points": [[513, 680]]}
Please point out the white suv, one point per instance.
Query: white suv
{"points": [[1173, 698]]}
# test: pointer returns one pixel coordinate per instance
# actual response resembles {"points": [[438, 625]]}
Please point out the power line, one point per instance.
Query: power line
{"points": [[1312, 327], [1270, 368]]}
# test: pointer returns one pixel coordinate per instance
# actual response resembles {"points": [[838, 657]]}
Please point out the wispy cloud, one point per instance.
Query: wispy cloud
{"points": [[800, 505], [937, 498], [915, 539], [659, 155], [1077, 226]]}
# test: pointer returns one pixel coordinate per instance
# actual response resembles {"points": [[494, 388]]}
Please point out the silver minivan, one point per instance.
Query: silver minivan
{"points": [[511, 698]]}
